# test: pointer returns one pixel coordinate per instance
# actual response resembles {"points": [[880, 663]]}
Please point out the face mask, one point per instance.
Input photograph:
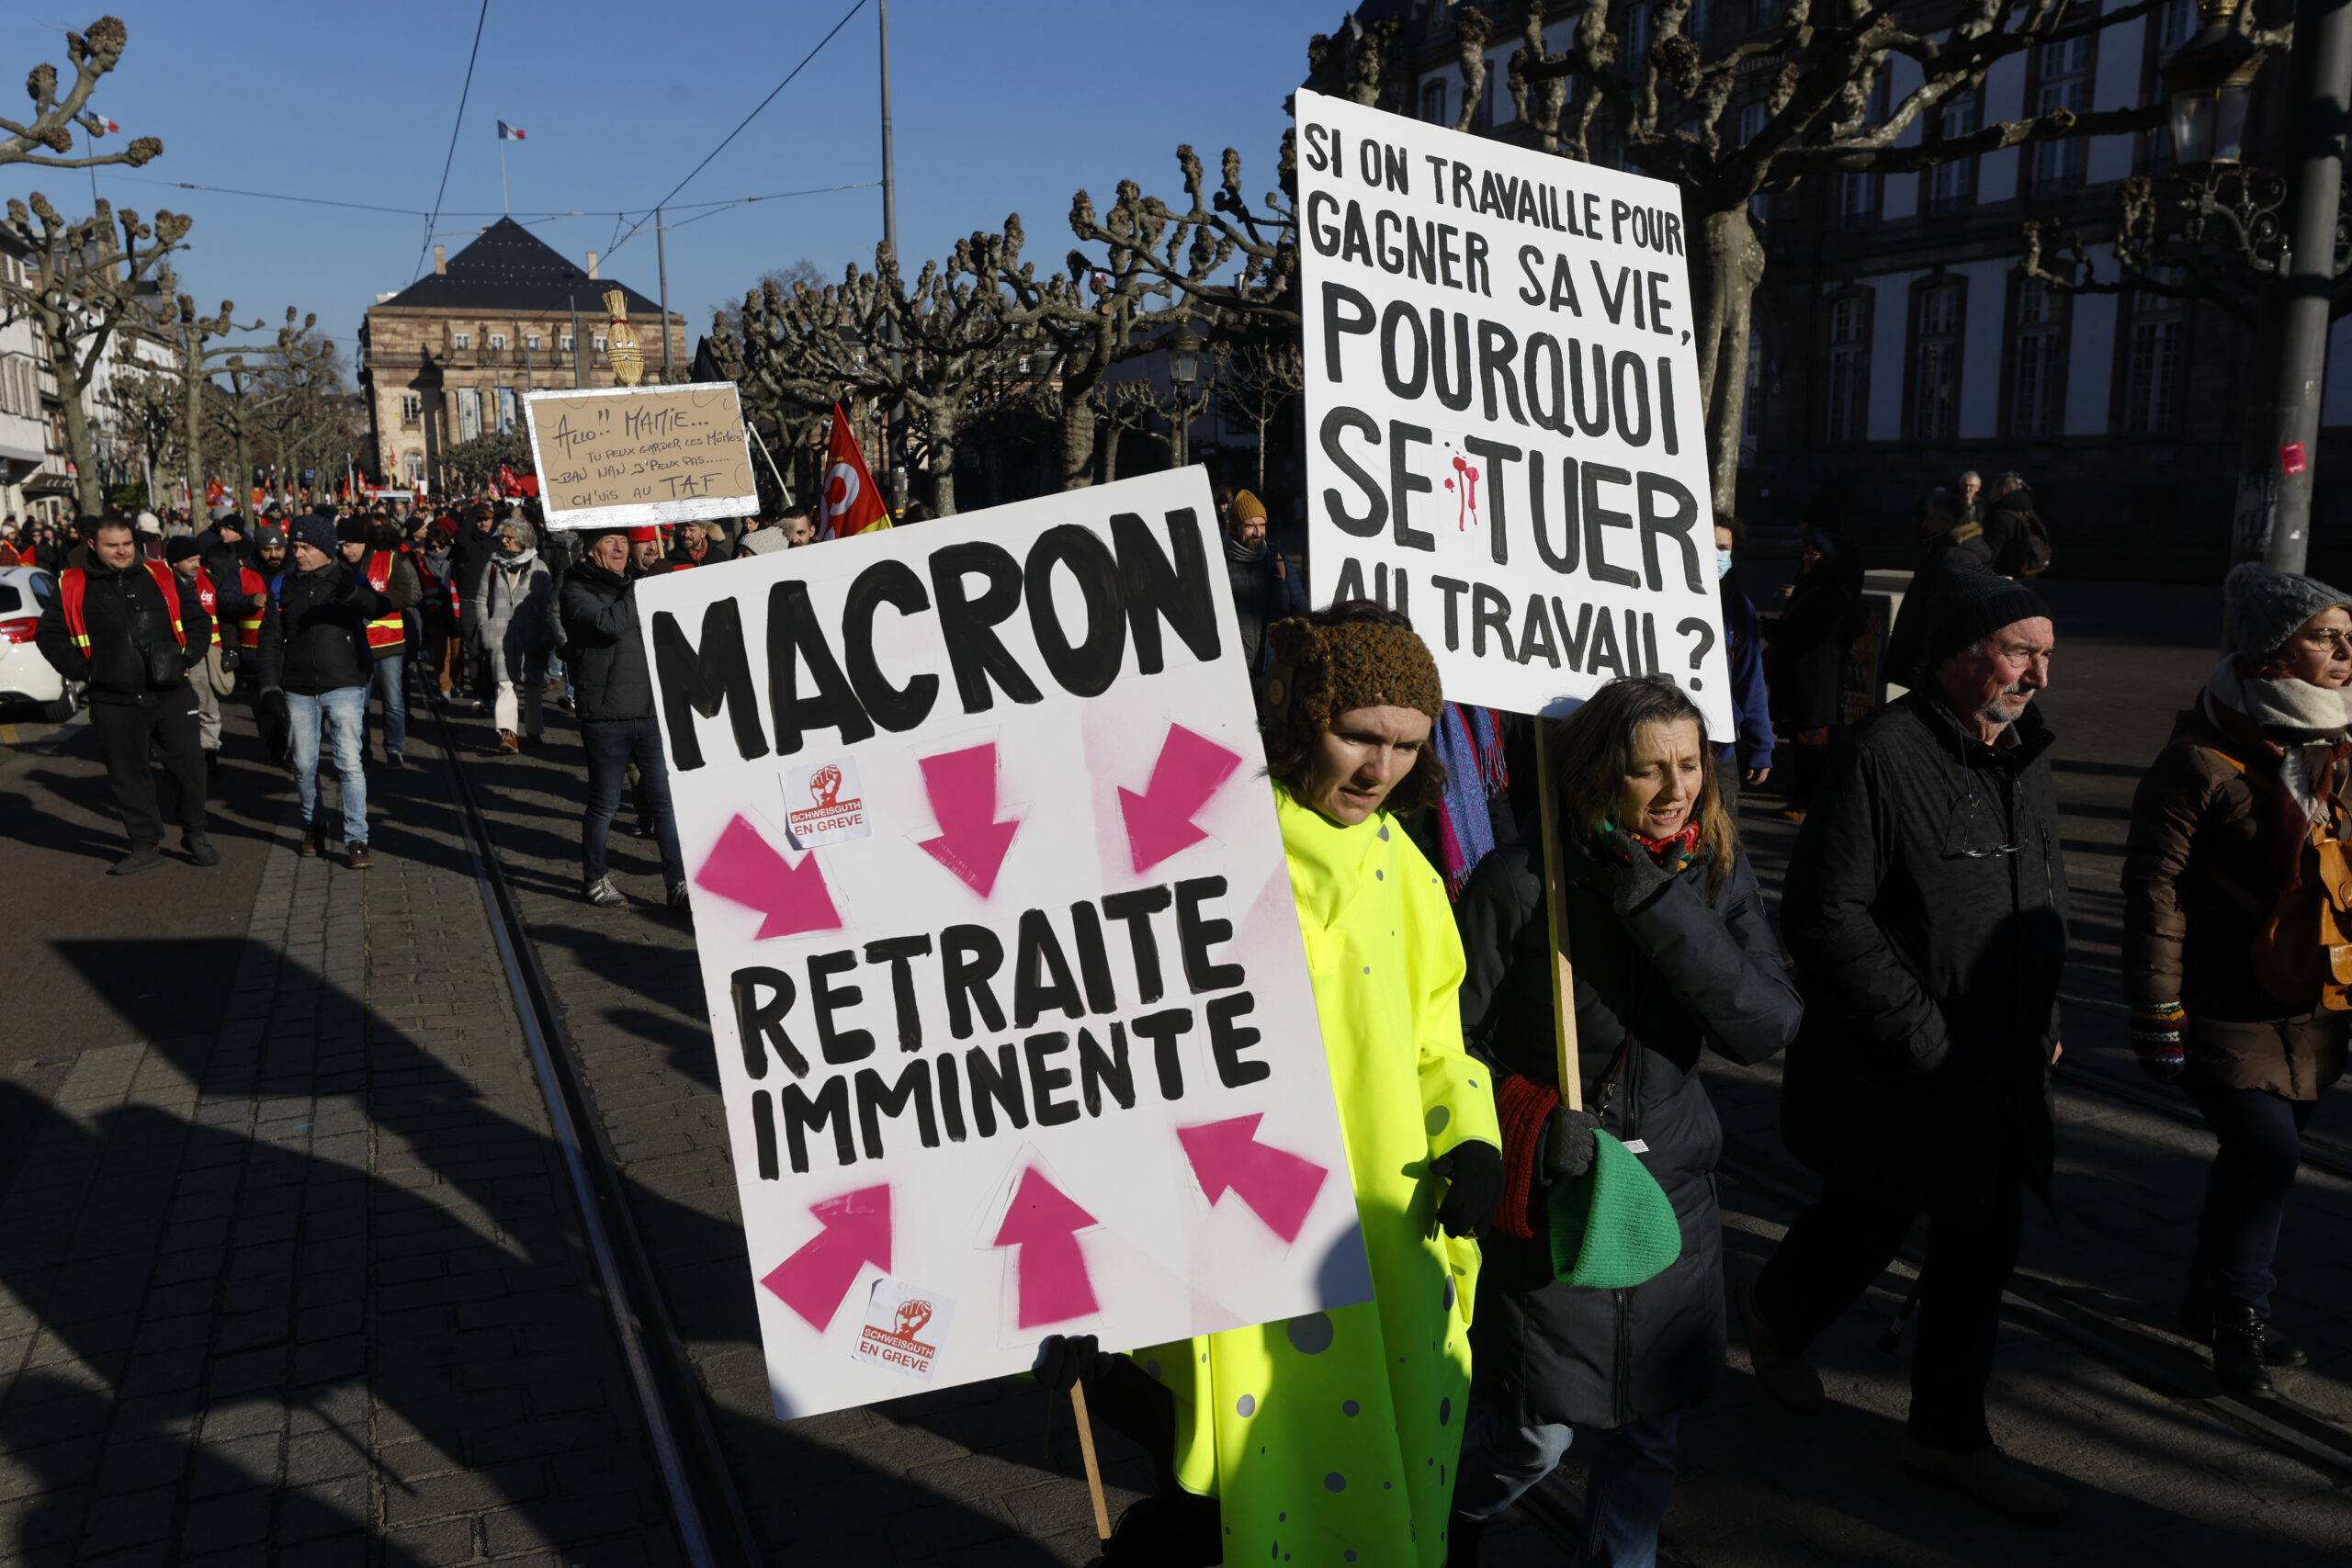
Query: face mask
{"points": [[1723, 563]]}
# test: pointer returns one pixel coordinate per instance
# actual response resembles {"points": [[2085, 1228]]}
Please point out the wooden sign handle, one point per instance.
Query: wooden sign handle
{"points": [[1093, 1467], [1563, 980]]}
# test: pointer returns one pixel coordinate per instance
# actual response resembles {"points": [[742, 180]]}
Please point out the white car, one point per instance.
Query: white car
{"points": [[25, 675]]}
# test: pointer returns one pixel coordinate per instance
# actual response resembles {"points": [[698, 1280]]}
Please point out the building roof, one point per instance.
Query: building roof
{"points": [[510, 269]]}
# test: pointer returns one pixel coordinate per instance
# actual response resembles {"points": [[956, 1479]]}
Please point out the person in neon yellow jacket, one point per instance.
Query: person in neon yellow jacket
{"points": [[1332, 1437]]}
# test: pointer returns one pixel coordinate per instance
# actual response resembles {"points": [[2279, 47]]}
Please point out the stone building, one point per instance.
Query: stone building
{"points": [[449, 358], [1897, 340]]}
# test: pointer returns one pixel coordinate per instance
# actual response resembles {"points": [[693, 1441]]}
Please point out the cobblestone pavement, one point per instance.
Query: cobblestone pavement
{"points": [[304, 1287]]}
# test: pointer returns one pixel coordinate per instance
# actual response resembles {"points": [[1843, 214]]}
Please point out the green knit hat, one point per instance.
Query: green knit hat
{"points": [[1612, 1227]]}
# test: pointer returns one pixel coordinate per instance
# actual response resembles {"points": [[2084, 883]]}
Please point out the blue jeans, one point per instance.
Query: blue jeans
{"points": [[345, 711], [610, 744], [393, 691], [2245, 1195], [1627, 1482]]}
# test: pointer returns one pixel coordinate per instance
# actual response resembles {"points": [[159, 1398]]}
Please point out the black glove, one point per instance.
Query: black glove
{"points": [[1474, 1185], [1569, 1144], [1640, 878], [1063, 1360]]}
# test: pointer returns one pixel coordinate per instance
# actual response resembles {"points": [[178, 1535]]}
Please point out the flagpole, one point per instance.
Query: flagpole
{"points": [[505, 208]]}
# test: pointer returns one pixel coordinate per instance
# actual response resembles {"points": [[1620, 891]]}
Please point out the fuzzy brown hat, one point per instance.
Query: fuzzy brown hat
{"points": [[1358, 664]]}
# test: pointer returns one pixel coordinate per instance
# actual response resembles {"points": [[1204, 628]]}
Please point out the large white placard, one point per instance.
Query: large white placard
{"points": [[1012, 1013], [1506, 431]]}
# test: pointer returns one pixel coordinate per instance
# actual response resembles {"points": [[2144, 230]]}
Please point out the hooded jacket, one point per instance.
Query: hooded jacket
{"points": [[126, 617], [1672, 976], [1926, 908], [610, 678]]}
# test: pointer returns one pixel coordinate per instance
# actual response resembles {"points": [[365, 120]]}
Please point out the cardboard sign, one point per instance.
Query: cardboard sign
{"points": [[1033, 1035], [625, 457], [1506, 428]]}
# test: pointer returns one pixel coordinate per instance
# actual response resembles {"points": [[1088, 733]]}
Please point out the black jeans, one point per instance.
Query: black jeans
{"points": [[2245, 1195], [1845, 1241], [166, 724]]}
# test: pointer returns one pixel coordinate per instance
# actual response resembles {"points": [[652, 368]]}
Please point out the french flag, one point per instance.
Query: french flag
{"points": [[509, 133]]}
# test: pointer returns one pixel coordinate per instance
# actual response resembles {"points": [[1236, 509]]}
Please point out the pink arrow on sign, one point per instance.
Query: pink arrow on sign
{"points": [[744, 869], [1279, 1186], [813, 1280], [1042, 1223], [971, 841], [1160, 821]]}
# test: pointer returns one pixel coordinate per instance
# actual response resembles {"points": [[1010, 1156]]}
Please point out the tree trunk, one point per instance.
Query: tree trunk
{"points": [[939, 463], [192, 381], [89, 488], [1078, 436], [1725, 267]]}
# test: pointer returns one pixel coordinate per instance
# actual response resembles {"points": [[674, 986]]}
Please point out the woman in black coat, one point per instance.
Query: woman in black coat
{"points": [[1807, 665], [1672, 952]]}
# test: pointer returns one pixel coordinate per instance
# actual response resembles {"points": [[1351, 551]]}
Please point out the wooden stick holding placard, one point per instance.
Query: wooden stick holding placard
{"points": [[1564, 978], [1094, 1467]]}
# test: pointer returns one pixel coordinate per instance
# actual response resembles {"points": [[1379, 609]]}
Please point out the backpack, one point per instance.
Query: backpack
{"points": [[2028, 545], [2301, 952]]}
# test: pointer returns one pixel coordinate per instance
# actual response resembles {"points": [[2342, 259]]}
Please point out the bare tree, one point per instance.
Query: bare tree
{"points": [[92, 54], [88, 279], [784, 277], [1257, 383], [145, 412], [258, 387], [1113, 409]]}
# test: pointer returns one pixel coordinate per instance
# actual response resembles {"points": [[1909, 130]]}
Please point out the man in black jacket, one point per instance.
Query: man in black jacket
{"points": [[131, 629], [613, 693], [314, 651], [2013, 529], [1925, 909]]}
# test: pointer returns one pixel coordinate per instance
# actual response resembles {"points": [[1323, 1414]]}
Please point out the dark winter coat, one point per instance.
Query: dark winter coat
{"points": [[1809, 641], [314, 631], [1653, 986], [1751, 701], [2197, 823], [126, 618], [1926, 908], [2006, 531], [1261, 597], [609, 677]]}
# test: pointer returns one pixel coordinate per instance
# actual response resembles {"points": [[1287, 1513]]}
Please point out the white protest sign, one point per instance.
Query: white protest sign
{"points": [[628, 456], [1506, 437], [1011, 1011]]}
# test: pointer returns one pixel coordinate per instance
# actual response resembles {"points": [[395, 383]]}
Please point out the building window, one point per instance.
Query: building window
{"points": [[1702, 19], [411, 408], [498, 343], [1637, 35], [1949, 184], [1857, 201], [2175, 25], [2152, 376], [598, 343], [1848, 414], [1433, 101], [463, 340], [1751, 408], [1935, 362], [414, 466], [1752, 121], [469, 413], [531, 342], [2065, 71], [2037, 378], [563, 342], [1763, 16]]}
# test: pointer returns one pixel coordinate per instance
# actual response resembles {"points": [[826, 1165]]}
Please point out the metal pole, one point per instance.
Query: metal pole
{"points": [[2323, 59], [895, 439], [661, 254]]}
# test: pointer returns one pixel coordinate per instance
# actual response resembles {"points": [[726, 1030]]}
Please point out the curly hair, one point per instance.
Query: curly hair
{"points": [[1290, 747], [1593, 754]]}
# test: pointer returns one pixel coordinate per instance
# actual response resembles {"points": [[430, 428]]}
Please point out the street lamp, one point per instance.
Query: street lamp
{"points": [[2208, 81], [1184, 370]]}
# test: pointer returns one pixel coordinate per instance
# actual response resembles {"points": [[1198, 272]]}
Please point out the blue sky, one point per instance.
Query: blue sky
{"points": [[997, 107]]}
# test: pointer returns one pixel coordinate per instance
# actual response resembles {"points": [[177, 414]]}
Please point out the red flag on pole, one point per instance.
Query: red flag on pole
{"points": [[853, 504]]}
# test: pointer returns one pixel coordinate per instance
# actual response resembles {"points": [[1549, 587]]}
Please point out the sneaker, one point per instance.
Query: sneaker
{"points": [[199, 849], [360, 859], [146, 857], [509, 743], [314, 839], [602, 892], [1786, 1375], [681, 901], [395, 760], [642, 830], [1986, 1475]]}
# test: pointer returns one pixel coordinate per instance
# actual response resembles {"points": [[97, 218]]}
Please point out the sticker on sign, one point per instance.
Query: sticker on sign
{"points": [[824, 804], [1507, 435], [904, 1328]]}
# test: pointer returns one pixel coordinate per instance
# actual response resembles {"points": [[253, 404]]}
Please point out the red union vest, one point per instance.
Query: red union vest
{"points": [[209, 595], [73, 583], [387, 632], [258, 591]]}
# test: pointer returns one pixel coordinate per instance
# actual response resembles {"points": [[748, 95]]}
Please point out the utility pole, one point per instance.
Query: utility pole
{"points": [[896, 436], [661, 254]]}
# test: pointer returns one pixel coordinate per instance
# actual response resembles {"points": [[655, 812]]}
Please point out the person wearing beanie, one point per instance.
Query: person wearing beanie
{"points": [[518, 628], [370, 549], [614, 687], [313, 654], [1669, 927], [1369, 1394], [1926, 908], [1264, 588], [2225, 836]]}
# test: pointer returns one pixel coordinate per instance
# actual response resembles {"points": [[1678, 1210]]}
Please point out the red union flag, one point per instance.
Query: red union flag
{"points": [[852, 504]]}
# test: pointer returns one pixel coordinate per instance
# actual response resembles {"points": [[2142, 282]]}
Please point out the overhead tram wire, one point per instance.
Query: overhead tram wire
{"points": [[855, 6], [464, 93], [715, 206]]}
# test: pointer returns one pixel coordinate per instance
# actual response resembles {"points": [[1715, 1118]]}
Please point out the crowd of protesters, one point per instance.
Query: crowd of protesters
{"points": [[1911, 987]]}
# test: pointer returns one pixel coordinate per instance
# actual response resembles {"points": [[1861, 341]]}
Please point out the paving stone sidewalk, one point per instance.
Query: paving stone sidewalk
{"points": [[306, 1288]]}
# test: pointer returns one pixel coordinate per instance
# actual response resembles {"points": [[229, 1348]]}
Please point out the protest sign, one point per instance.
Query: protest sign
{"points": [[1013, 1016], [1507, 435], [624, 456]]}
